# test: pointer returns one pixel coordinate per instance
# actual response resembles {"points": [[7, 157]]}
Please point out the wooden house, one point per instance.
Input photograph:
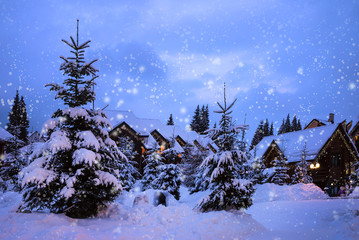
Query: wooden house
{"points": [[354, 135], [150, 135], [328, 149], [5, 138]]}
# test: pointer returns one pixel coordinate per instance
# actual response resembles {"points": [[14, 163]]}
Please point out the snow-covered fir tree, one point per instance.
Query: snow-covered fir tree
{"points": [[191, 159], [169, 179], [257, 174], [151, 171], [223, 167], [79, 168], [280, 176], [301, 171]]}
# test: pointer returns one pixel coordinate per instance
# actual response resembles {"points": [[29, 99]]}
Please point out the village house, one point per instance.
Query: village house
{"points": [[324, 144], [149, 135], [5, 138]]}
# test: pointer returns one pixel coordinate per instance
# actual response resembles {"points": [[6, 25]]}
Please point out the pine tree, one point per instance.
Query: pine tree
{"points": [[195, 120], [191, 159], [287, 126], [170, 120], [24, 121], [282, 128], [301, 172], [257, 174], [294, 125], [151, 170], [206, 119], [14, 117], [258, 135], [271, 129], [266, 128], [280, 174], [299, 126], [78, 170], [18, 124], [169, 179], [228, 191]]}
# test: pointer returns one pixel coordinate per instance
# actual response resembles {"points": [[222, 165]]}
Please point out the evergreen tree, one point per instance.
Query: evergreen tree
{"points": [[228, 191], [18, 123], [196, 120], [206, 119], [191, 159], [299, 126], [301, 172], [169, 179], [257, 174], [280, 173], [294, 126], [24, 121], [170, 120], [271, 129], [266, 128], [78, 170], [258, 135], [14, 117], [151, 170], [287, 125], [282, 128]]}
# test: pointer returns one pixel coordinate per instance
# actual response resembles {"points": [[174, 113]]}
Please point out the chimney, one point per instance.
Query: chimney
{"points": [[331, 118]]}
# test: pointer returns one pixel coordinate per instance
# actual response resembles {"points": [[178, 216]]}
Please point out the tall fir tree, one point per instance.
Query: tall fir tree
{"points": [[24, 122], [294, 125], [299, 125], [266, 128], [14, 117], [195, 120], [258, 135], [287, 125], [170, 120], [223, 167], [282, 128], [271, 129], [79, 169]]}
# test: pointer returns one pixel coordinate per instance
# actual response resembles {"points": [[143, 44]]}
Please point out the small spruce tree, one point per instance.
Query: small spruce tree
{"points": [[170, 120], [281, 176], [301, 171]]}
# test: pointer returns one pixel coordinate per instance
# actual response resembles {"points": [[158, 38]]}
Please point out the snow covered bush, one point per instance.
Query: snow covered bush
{"points": [[280, 175], [151, 171], [169, 179], [79, 168], [224, 170], [191, 159]]}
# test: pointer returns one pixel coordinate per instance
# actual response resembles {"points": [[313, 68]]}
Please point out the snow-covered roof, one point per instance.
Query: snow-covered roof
{"points": [[292, 144], [145, 126], [5, 135]]}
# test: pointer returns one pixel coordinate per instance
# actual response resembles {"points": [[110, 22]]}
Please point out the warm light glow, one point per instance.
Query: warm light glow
{"points": [[179, 155], [162, 148], [314, 166], [143, 150]]}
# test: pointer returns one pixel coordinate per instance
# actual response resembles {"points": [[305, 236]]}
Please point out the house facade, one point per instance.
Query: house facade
{"points": [[327, 147], [5, 138], [149, 135]]}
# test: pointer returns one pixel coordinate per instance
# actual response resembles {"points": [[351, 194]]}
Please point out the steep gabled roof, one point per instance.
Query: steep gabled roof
{"points": [[5, 135], [292, 144], [144, 126]]}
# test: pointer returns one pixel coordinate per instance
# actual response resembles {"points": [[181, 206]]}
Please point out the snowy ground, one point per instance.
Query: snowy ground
{"points": [[277, 213]]}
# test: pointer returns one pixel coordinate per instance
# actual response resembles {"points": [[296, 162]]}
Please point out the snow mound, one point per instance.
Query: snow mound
{"points": [[355, 193], [272, 192]]}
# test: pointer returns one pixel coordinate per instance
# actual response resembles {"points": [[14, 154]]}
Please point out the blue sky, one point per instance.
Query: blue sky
{"points": [[161, 57]]}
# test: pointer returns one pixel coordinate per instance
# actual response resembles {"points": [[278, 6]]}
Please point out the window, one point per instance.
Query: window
{"points": [[336, 160]]}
